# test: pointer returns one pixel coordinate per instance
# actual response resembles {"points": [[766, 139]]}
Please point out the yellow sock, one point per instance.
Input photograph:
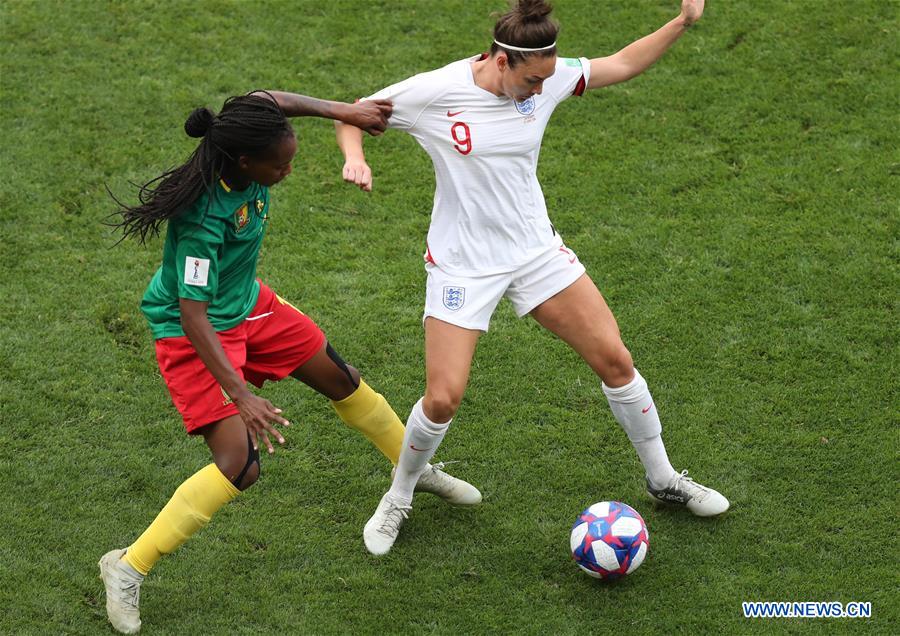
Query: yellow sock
{"points": [[189, 509], [370, 414]]}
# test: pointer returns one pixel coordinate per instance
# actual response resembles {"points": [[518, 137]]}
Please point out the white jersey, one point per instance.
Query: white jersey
{"points": [[489, 214]]}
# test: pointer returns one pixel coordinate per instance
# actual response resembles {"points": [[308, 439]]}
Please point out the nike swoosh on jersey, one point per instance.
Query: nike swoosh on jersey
{"points": [[449, 114]]}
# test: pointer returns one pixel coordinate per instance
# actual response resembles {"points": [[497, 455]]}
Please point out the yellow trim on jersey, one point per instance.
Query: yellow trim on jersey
{"points": [[224, 185]]}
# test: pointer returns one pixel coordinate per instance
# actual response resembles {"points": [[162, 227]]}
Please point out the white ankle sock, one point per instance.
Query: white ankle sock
{"points": [[420, 442]]}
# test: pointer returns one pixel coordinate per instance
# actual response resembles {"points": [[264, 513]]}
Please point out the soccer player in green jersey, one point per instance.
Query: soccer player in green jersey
{"points": [[217, 326]]}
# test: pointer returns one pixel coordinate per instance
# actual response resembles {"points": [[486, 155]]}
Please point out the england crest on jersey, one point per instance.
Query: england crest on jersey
{"points": [[454, 298], [525, 107]]}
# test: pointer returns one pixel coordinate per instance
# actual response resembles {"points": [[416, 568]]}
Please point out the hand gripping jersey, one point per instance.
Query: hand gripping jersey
{"points": [[489, 214], [210, 255]]}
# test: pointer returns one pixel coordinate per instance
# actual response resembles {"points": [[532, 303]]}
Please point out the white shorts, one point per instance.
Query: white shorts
{"points": [[469, 301]]}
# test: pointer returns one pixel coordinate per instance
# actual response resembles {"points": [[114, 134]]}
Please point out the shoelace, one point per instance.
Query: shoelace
{"points": [[440, 465], [131, 593], [437, 472], [393, 517], [688, 484]]}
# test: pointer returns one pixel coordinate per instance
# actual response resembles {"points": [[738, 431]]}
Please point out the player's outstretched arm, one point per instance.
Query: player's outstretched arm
{"points": [[371, 115], [356, 170], [640, 55]]}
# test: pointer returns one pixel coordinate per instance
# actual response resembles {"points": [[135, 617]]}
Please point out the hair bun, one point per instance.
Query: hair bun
{"points": [[198, 122], [533, 10]]}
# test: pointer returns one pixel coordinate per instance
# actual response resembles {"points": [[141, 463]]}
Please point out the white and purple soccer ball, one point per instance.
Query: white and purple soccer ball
{"points": [[609, 540]]}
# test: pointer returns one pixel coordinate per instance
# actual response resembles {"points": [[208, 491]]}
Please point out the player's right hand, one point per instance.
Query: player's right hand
{"points": [[370, 115], [358, 173], [259, 415]]}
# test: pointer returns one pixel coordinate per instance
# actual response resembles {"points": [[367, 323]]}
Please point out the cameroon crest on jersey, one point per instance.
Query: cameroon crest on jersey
{"points": [[241, 217]]}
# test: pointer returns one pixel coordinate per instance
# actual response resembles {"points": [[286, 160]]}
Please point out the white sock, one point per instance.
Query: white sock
{"points": [[420, 442], [633, 407], [655, 460]]}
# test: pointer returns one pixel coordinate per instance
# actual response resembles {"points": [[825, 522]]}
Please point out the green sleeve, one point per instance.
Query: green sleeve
{"points": [[197, 258]]}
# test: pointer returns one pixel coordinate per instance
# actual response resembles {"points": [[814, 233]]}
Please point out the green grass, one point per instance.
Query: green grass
{"points": [[737, 205]]}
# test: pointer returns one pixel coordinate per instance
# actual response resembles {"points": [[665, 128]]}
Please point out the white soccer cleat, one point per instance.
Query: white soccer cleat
{"points": [[382, 529], [449, 488], [123, 592], [684, 491]]}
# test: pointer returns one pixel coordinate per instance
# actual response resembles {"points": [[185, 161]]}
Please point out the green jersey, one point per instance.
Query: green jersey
{"points": [[210, 256]]}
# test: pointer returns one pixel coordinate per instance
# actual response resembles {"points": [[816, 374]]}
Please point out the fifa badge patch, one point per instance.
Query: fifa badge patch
{"points": [[241, 217], [454, 298], [196, 271], [526, 107]]}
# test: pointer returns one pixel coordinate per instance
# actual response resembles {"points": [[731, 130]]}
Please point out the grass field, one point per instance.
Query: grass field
{"points": [[737, 205]]}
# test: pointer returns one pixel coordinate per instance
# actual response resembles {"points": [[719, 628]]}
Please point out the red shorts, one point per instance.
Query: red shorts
{"points": [[273, 340]]}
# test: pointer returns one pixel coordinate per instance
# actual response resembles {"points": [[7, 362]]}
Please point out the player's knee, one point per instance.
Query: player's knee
{"points": [[240, 466], [349, 381], [231, 464], [441, 406], [346, 379], [618, 367], [250, 477]]}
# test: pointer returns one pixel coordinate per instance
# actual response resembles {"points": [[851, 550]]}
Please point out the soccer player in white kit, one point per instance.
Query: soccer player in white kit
{"points": [[481, 120]]}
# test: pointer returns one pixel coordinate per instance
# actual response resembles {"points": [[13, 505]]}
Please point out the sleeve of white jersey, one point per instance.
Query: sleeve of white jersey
{"points": [[410, 97], [571, 78]]}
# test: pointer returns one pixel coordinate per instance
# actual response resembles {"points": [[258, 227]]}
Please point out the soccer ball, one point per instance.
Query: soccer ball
{"points": [[609, 540]]}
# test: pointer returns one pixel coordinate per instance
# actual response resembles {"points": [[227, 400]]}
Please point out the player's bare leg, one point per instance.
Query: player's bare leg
{"points": [[580, 317], [448, 358]]}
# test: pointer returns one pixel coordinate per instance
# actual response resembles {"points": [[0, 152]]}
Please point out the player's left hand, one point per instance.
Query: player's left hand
{"points": [[691, 10], [370, 115]]}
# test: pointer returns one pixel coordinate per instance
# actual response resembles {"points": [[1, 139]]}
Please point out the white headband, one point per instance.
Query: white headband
{"points": [[523, 49]]}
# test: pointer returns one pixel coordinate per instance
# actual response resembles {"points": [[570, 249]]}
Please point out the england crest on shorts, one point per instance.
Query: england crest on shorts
{"points": [[526, 107], [454, 297]]}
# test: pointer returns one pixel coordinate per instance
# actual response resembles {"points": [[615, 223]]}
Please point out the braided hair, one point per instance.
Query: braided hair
{"points": [[247, 125], [527, 24]]}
